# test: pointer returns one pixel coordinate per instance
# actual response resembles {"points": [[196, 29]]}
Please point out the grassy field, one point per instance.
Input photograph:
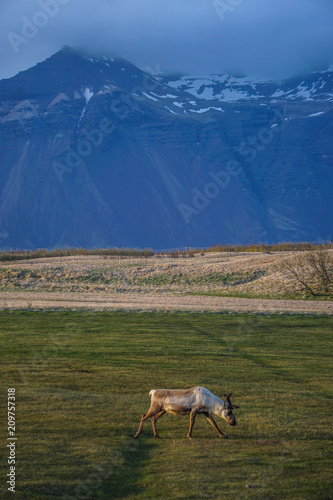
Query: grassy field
{"points": [[244, 275], [82, 381]]}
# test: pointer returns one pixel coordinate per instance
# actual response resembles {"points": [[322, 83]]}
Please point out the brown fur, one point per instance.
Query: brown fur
{"points": [[184, 406]]}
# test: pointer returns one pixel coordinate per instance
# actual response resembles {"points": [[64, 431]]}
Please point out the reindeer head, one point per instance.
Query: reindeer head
{"points": [[227, 410]]}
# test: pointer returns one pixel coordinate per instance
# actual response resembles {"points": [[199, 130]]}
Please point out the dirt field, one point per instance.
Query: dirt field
{"points": [[154, 283]]}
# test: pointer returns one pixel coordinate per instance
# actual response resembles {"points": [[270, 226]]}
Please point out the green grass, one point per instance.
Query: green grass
{"points": [[82, 381], [20, 278], [236, 278]]}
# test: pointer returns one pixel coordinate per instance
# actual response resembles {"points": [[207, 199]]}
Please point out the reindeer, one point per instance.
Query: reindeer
{"points": [[188, 401]]}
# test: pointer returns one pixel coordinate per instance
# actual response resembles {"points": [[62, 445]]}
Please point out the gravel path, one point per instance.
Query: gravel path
{"points": [[153, 302]]}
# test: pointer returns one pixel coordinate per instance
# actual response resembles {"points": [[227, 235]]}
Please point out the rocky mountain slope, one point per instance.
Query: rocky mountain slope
{"points": [[96, 152]]}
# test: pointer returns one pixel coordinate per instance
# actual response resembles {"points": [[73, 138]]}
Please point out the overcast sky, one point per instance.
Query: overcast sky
{"points": [[260, 38]]}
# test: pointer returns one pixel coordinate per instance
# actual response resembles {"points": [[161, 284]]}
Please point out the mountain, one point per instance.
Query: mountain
{"points": [[96, 152]]}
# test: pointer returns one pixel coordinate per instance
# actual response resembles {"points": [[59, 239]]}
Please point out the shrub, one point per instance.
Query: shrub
{"points": [[311, 271]]}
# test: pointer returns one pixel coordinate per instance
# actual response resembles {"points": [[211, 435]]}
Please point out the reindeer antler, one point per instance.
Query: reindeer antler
{"points": [[228, 399]]}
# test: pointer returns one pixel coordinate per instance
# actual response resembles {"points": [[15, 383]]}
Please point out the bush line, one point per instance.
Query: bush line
{"points": [[19, 254]]}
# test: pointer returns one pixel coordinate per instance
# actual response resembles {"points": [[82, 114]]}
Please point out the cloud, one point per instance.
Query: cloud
{"points": [[256, 37]]}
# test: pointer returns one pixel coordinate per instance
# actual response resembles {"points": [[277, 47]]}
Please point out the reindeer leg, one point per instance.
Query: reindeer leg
{"points": [[150, 413], [192, 419], [214, 424], [153, 421]]}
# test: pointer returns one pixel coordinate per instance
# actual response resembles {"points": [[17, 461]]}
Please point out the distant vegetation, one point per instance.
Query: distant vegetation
{"points": [[288, 246], [59, 252], [18, 254]]}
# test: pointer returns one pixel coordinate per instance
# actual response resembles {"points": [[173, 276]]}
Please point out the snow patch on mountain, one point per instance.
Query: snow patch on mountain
{"points": [[204, 110], [166, 96], [227, 88], [170, 110], [150, 96], [88, 94]]}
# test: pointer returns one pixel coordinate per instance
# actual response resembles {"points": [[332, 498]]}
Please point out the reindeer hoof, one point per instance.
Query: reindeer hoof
{"points": [[225, 437], [136, 436], [157, 437]]}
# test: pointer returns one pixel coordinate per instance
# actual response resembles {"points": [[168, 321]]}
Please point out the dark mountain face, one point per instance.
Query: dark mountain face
{"points": [[95, 152]]}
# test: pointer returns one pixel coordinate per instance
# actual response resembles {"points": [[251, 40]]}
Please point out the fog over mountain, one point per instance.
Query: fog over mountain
{"points": [[265, 38]]}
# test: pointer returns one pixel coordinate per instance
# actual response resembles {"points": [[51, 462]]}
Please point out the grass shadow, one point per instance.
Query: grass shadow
{"points": [[126, 468], [117, 476]]}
